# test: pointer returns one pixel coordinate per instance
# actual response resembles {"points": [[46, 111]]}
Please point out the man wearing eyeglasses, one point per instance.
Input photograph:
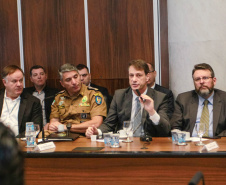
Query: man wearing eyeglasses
{"points": [[153, 85], [204, 104]]}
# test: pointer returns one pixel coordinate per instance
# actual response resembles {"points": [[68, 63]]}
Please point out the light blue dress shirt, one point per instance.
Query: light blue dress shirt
{"points": [[199, 113]]}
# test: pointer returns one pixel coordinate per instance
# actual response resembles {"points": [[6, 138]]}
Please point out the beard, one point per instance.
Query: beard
{"points": [[205, 93]]}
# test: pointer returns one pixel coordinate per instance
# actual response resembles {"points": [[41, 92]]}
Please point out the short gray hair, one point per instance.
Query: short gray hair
{"points": [[66, 68]]}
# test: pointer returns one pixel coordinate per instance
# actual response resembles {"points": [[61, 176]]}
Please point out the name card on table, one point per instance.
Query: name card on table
{"points": [[45, 146], [210, 146]]}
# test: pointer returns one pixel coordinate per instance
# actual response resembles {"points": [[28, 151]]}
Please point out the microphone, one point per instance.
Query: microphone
{"points": [[43, 135], [196, 178], [138, 92], [68, 128], [49, 97]]}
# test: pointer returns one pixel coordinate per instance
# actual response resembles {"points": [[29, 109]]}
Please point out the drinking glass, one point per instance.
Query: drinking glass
{"points": [[200, 129], [127, 126]]}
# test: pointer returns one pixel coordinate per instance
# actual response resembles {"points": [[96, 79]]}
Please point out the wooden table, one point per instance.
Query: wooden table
{"points": [[162, 163]]}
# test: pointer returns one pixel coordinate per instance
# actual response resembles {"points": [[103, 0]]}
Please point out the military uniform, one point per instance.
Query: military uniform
{"points": [[77, 109]]}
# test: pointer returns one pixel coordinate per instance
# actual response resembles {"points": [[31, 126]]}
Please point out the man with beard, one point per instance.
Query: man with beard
{"points": [[17, 107], [204, 104], [148, 117], [79, 105]]}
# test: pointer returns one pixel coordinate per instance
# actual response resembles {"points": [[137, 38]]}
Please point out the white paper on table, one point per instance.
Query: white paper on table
{"points": [[196, 139]]}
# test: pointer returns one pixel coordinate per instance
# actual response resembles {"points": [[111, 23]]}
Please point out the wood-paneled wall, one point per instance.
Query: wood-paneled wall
{"points": [[9, 36], [54, 34]]}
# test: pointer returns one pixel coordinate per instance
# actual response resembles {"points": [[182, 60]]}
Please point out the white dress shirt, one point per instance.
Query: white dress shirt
{"points": [[10, 112]]}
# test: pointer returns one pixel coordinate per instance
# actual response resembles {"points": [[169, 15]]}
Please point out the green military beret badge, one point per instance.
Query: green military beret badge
{"points": [[84, 99]]}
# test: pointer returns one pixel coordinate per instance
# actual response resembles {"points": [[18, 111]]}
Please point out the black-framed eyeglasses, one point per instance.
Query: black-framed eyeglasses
{"points": [[204, 78]]}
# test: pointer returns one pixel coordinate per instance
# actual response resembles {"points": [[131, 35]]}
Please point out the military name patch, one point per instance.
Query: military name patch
{"points": [[84, 104], [98, 100]]}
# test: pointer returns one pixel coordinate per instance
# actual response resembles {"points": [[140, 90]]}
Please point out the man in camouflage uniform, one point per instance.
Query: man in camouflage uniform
{"points": [[78, 104]]}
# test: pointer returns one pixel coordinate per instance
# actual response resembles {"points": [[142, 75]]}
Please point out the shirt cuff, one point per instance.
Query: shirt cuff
{"points": [[99, 132], [155, 118]]}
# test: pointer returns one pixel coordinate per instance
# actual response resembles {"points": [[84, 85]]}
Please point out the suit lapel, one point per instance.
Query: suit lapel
{"points": [[1, 101], [128, 104], [22, 107], [193, 109], [216, 111], [150, 93]]}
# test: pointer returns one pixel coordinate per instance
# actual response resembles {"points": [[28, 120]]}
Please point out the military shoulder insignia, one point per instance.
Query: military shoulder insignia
{"points": [[98, 100], [61, 92], [92, 88], [98, 94]]}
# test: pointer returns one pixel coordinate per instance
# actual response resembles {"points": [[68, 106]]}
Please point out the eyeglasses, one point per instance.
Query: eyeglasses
{"points": [[151, 71], [204, 78]]}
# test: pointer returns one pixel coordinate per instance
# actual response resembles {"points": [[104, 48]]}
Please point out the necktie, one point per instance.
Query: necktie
{"points": [[137, 120], [205, 118]]}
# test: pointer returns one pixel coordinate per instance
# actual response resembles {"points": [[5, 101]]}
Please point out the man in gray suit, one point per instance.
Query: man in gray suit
{"points": [[190, 105], [153, 118], [17, 107]]}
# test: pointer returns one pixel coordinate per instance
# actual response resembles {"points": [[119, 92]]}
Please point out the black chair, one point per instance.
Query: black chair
{"points": [[196, 179]]}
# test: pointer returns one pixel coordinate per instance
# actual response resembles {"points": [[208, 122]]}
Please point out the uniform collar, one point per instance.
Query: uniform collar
{"points": [[81, 92]]}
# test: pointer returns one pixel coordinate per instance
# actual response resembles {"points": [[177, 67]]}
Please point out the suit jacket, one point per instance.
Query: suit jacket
{"points": [[169, 96], [49, 97], [105, 93], [120, 110], [186, 108], [30, 110]]}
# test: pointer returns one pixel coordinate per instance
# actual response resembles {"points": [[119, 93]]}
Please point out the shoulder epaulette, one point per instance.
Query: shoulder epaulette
{"points": [[61, 92], [92, 88]]}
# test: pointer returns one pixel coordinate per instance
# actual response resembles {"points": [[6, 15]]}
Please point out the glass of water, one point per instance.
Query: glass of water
{"points": [[200, 129]]}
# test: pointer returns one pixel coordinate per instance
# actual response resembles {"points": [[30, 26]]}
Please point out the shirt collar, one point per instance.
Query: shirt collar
{"points": [[153, 86], [5, 96], [81, 92], [210, 99], [135, 96]]}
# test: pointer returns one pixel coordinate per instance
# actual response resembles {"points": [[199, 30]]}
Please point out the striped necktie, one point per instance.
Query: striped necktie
{"points": [[137, 128], [205, 118]]}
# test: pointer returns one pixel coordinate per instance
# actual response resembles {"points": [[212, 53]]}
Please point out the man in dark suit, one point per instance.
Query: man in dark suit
{"points": [[154, 120], [86, 79], [17, 107], [153, 85], [41, 91], [190, 106]]}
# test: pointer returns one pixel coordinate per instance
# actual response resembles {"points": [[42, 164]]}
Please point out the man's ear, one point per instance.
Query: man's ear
{"points": [[31, 79], [4, 82], [147, 77], [61, 83]]}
